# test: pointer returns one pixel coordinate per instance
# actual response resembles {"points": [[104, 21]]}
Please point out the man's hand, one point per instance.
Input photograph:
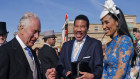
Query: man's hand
{"points": [[68, 73], [50, 74], [86, 75]]}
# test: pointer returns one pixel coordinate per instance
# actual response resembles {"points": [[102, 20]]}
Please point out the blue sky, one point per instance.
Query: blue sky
{"points": [[52, 12]]}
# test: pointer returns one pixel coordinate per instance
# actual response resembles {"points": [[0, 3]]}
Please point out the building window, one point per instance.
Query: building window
{"points": [[58, 40], [96, 28], [130, 20]]}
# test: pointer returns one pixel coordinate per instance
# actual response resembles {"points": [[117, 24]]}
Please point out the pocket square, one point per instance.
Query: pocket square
{"points": [[86, 57]]}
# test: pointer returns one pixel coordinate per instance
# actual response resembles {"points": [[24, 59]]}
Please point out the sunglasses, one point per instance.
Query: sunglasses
{"points": [[53, 38]]}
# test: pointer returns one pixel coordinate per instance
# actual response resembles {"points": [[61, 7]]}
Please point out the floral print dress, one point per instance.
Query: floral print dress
{"points": [[117, 61]]}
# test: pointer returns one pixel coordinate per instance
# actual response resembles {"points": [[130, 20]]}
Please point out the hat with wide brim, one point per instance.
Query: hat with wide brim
{"points": [[3, 29], [49, 34]]}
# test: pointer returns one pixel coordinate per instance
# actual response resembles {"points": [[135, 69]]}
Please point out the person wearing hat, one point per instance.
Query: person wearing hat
{"points": [[120, 50], [3, 33], [47, 55]]}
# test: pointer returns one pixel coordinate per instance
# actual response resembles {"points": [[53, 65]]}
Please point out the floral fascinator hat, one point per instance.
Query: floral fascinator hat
{"points": [[109, 6]]}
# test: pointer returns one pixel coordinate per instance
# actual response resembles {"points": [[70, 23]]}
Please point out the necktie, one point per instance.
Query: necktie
{"points": [[31, 63], [77, 47], [29, 52]]}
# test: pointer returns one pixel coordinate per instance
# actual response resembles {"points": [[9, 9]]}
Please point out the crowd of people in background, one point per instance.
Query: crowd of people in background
{"points": [[83, 57]]}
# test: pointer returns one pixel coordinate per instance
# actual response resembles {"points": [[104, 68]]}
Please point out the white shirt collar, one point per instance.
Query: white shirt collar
{"points": [[20, 42], [82, 42], [47, 44]]}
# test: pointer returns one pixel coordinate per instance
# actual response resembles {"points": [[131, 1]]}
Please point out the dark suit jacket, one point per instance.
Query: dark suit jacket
{"points": [[14, 64], [92, 48], [48, 58]]}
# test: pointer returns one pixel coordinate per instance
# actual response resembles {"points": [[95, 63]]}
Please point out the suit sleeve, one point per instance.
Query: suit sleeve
{"points": [[4, 64], [54, 59], [48, 60], [61, 67], [98, 61], [43, 64]]}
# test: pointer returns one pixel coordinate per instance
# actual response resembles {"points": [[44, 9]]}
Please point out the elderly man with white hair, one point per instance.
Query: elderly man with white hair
{"points": [[17, 60]]}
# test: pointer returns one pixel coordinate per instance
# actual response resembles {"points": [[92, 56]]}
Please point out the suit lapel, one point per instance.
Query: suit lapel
{"points": [[19, 54], [70, 47], [84, 48]]}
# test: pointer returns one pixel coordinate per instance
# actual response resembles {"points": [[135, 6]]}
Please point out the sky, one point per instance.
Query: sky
{"points": [[52, 12]]}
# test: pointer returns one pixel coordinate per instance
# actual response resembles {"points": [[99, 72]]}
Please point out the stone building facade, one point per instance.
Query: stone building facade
{"points": [[95, 31]]}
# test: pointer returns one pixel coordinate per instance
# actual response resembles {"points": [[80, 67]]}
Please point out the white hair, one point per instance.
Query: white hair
{"points": [[25, 19]]}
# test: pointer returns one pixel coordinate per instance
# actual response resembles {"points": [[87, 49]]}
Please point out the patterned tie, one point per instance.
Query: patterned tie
{"points": [[77, 47], [29, 52], [32, 63]]}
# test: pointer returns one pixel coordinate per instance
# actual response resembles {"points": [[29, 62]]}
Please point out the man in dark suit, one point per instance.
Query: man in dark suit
{"points": [[17, 60], [3, 33], [89, 53], [47, 55]]}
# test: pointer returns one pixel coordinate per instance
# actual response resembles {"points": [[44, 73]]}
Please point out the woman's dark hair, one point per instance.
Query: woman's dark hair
{"points": [[122, 25], [82, 17]]}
